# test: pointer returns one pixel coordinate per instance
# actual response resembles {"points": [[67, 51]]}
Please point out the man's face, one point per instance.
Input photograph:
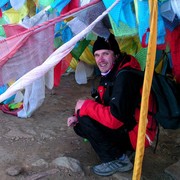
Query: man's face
{"points": [[104, 59]]}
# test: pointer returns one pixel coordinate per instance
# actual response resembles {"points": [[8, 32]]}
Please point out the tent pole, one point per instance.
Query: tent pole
{"points": [[150, 61]]}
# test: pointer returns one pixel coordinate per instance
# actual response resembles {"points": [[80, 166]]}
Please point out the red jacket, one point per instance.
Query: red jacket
{"points": [[103, 113]]}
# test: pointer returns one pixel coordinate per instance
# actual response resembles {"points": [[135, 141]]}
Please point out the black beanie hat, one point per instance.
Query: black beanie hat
{"points": [[110, 44]]}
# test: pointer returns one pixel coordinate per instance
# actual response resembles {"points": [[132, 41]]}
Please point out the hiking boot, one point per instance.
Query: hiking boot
{"points": [[109, 168]]}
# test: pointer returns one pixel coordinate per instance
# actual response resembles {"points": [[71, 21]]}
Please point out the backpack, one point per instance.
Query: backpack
{"points": [[167, 95]]}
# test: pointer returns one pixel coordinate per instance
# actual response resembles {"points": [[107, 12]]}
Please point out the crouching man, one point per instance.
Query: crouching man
{"points": [[110, 121]]}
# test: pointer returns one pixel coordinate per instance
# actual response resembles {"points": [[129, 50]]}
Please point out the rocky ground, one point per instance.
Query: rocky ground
{"points": [[43, 147]]}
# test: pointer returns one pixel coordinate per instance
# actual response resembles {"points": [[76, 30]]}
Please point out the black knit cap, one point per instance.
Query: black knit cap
{"points": [[110, 44]]}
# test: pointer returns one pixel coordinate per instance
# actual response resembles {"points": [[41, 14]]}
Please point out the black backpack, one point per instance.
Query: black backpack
{"points": [[167, 94]]}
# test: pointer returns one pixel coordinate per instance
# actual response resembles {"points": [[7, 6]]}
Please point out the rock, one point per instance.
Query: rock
{"points": [[174, 170], [14, 170], [69, 163], [40, 163]]}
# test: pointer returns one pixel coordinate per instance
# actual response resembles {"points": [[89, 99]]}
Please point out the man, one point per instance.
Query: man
{"points": [[110, 122]]}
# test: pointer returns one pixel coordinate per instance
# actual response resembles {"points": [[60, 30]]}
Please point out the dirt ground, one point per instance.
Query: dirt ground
{"points": [[45, 136]]}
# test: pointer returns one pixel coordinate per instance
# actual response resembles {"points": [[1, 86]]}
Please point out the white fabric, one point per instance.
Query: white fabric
{"points": [[35, 94], [52, 60], [49, 79], [18, 97], [17, 4], [84, 2], [33, 98], [37, 19], [82, 72], [176, 7]]}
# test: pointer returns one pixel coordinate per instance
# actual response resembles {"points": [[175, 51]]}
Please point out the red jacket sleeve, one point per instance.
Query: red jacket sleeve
{"points": [[100, 113]]}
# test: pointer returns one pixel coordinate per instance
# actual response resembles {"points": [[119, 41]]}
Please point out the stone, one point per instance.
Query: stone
{"points": [[14, 170], [40, 163], [69, 163]]}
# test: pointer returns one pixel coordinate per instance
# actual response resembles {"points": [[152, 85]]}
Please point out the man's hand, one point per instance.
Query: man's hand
{"points": [[72, 121], [79, 105]]}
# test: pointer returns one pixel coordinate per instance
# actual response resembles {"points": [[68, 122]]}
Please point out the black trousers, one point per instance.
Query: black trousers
{"points": [[108, 143]]}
